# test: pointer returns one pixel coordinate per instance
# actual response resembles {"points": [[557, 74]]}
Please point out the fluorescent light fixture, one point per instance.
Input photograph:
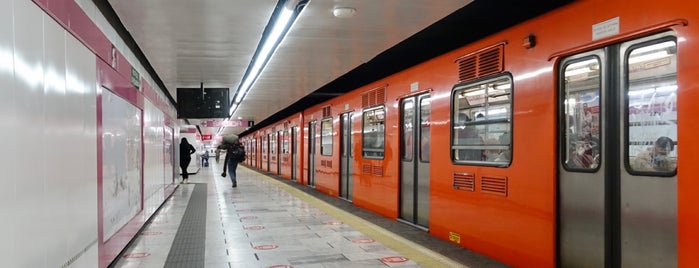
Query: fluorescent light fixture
{"points": [[642, 92], [503, 86], [499, 111], [475, 93], [648, 57], [232, 109], [583, 63], [578, 71], [282, 23], [650, 48], [266, 52], [669, 88]]}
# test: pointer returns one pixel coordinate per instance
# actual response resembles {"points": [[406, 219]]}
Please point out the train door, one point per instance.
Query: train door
{"points": [[312, 154], [253, 153], [270, 151], [294, 153], [273, 152], [415, 157], [346, 157], [617, 187], [280, 140]]}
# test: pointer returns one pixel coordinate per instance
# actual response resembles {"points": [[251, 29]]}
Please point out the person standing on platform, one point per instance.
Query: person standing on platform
{"points": [[186, 150], [205, 159], [235, 153]]}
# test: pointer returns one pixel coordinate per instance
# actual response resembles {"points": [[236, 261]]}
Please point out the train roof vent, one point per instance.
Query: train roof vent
{"points": [[326, 111], [494, 185], [481, 63], [374, 97]]}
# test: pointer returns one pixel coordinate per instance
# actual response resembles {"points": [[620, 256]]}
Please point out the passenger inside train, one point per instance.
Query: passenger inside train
{"points": [[467, 134], [499, 155], [655, 158]]}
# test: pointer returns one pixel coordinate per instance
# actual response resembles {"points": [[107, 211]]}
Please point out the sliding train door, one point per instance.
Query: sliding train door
{"points": [[294, 153], [265, 152], [617, 187], [415, 158], [280, 144], [346, 156], [312, 153]]}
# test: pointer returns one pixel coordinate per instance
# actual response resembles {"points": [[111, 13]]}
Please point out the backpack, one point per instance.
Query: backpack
{"points": [[238, 153]]}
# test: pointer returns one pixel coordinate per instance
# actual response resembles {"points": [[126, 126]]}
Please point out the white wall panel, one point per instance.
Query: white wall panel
{"points": [[153, 158], [58, 152], [48, 110], [8, 119], [169, 166], [81, 126], [29, 89]]}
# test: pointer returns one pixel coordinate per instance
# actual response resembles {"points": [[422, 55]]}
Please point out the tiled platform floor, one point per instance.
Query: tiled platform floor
{"points": [[266, 222]]}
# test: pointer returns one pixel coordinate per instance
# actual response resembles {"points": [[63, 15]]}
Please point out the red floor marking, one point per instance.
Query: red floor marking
{"points": [[394, 259], [254, 227], [363, 240], [136, 255], [265, 247]]}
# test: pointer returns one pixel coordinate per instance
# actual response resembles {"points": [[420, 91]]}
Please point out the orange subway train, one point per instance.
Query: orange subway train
{"points": [[553, 143]]}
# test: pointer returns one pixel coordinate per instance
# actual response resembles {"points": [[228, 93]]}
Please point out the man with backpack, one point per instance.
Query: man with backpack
{"points": [[235, 153]]}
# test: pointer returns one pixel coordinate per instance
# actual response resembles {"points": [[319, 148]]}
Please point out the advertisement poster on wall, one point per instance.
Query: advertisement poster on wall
{"points": [[121, 162]]}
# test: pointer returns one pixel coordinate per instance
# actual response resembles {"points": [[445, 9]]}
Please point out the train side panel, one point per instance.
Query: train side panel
{"points": [[519, 224]]}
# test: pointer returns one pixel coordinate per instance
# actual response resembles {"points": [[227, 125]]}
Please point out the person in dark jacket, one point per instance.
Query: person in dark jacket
{"points": [[235, 153], [186, 150]]}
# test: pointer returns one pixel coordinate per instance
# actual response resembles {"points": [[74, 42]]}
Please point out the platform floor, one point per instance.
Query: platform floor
{"points": [[269, 222]]}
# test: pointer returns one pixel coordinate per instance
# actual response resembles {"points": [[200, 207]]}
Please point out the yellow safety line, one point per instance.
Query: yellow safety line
{"points": [[416, 252]]}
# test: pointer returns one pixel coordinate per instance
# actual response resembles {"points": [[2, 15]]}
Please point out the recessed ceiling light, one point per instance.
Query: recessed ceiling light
{"points": [[344, 12]]}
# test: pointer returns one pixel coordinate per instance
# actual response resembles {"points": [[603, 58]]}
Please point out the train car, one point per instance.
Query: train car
{"points": [[278, 146], [551, 143]]}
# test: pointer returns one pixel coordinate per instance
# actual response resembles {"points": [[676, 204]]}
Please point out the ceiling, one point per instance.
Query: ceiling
{"points": [[213, 41], [187, 43]]}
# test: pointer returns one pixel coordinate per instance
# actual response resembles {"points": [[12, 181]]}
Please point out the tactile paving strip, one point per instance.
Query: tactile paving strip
{"points": [[187, 249]]}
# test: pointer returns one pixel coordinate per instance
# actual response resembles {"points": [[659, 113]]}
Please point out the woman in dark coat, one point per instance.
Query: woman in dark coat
{"points": [[186, 150]]}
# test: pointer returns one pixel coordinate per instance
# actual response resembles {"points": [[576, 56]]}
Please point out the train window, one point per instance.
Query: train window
{"points": [[652, 108], [482, 122], [425, 129], [285, 141], [373, 132], [326, 136], [264, 145], [582, 87], [408, 130], [273, 143]]}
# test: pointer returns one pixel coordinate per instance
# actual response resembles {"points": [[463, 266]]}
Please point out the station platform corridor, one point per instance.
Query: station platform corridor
{"points": [[270, 222]]}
